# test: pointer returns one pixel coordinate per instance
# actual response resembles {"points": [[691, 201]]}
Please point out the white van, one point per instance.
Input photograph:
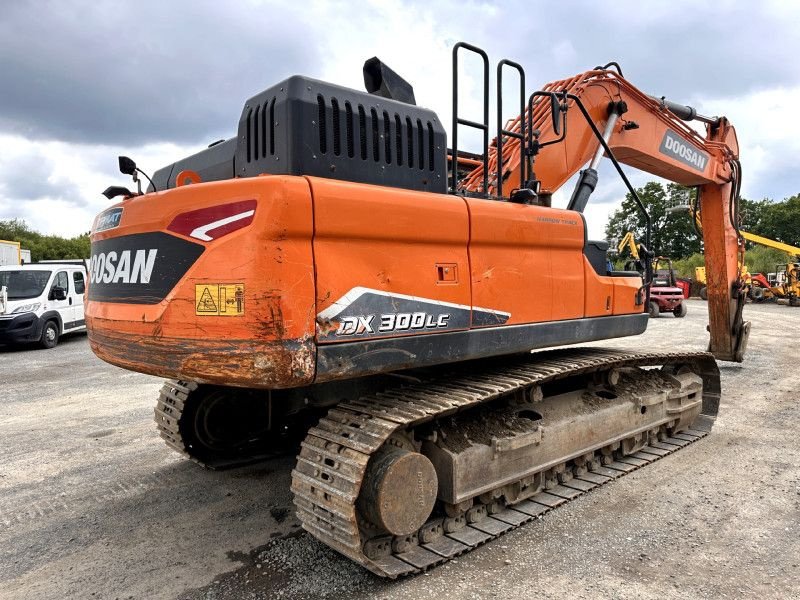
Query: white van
{"points": [[40, 302]]}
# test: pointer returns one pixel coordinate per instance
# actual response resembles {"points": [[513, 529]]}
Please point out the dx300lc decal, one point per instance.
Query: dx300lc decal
{"points": [[364, 313]]}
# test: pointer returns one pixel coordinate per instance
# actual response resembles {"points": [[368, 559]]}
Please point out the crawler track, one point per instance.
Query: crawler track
{"points": [[169, 409], [173, 400], [334, 456]]}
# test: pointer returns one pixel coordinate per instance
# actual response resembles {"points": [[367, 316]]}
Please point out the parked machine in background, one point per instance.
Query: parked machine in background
{"points": [[787, 283], [334, 273], [784, 284], [666, 296], [667, 293], [757, 286], [639, 254]]}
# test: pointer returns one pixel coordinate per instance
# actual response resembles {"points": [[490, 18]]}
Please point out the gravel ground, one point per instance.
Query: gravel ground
{"points": [[93, 505]]}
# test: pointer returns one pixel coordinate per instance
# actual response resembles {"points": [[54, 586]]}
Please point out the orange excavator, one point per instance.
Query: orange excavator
{"points": [[335, 277]]}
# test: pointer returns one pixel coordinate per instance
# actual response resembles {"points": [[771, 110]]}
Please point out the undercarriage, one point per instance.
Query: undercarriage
{"points": [[405, 472]]}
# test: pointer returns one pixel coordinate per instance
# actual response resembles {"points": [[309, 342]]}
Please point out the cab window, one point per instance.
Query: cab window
{"points": [[77, 279], [61, 281]]}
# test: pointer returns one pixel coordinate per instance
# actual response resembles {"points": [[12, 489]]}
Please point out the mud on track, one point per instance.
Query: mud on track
{"points": [[93, 504]]}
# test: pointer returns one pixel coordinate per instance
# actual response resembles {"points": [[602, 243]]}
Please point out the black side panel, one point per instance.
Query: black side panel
{"points": [[596, 252], [624, 274], [367, 313], [212, 164], [302, 126], [354, 359], [161, 178], [139, 269]]}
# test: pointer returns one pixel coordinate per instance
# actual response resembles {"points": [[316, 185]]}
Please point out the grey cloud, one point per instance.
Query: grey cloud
{"points": [[775, 183], [115, 73], [684, 50], [128, 73], [27, 177]]}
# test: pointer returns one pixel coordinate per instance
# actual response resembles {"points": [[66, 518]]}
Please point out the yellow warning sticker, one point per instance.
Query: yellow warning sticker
{"points": [[219, 299]]}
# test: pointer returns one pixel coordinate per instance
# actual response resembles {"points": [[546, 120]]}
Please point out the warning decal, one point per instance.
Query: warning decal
{"points": [[219, 299]]}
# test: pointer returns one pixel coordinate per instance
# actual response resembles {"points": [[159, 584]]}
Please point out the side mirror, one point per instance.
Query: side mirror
{"points": [[117, 190], [127, 166], [59, 293]]}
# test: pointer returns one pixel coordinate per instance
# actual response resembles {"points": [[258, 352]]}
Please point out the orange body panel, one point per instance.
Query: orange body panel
{"points": [[271, 342], [310, 243], [599, 297], [625, 292], [388, 239], [527, 260]]}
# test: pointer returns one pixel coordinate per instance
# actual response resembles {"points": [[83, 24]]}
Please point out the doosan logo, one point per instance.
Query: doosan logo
{"points": [[128, 266], [675, 147]]}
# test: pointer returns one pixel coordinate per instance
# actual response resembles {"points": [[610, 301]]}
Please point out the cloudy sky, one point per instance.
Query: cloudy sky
{"points": [[84, 81]]}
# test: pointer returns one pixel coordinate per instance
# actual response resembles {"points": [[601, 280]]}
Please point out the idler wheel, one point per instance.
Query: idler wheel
{"points": [[399, 490]]}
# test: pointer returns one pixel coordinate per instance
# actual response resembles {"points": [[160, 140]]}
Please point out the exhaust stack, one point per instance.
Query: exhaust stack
{"points": [[380, 80]]}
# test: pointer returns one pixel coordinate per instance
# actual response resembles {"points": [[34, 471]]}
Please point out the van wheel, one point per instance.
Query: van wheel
{"points": [[49, 337], [704, 293], [680, 310], [654, 310]]}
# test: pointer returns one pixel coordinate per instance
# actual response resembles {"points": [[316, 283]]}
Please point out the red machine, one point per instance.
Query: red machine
{"points": [[666, 292]]}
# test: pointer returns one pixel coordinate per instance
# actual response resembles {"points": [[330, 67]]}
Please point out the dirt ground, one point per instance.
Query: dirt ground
{"points": [[94, 505]]}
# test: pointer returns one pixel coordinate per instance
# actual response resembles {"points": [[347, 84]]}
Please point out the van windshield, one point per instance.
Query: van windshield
{"points": [[24, 284]]}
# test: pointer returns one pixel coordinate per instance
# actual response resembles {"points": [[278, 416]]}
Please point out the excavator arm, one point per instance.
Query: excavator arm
{"points": [[629, 241], [646, 133]]}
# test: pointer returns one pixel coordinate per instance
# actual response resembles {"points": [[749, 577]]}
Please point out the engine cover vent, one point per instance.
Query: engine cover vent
{"points": [[302, 126]]}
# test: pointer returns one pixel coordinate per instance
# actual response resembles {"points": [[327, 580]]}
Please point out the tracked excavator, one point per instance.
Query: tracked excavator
{"points": [[335, 274]]}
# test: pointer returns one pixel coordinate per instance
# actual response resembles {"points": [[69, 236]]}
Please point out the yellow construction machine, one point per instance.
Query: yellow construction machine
{"points": [[784, 283]]}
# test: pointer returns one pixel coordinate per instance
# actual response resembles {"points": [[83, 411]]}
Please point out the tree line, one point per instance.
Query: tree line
{"points": [[44, 247], [673, 233]]}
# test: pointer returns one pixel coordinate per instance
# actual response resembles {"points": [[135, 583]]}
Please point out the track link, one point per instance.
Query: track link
{"points": [[172, 400], [334, 456]]}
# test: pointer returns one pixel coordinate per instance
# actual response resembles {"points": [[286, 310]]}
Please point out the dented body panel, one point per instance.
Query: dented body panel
{"points": [[241, 282], [268, 343]]}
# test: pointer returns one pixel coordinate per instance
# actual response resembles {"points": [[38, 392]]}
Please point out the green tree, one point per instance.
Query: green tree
{"points": [[753, 213], [759, 259], [672, 232], [44, 247], [780, 221]]}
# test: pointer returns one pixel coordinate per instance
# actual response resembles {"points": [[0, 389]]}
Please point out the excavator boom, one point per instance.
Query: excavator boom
{"points": [[643, 132], [768, 243]]}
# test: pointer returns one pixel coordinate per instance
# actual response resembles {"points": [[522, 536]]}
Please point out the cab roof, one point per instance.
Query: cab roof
{"points": [[43, 267]]}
